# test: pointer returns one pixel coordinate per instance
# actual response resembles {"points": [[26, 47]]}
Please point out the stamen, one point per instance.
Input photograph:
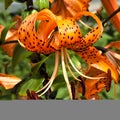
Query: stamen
{"points": [[114, 59], [67, 65], [78, 70], [65, 72], [85, 24], [111, 58], [48, 85]]}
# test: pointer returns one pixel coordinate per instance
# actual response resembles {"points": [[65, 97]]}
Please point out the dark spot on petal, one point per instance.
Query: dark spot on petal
{"points": [[71, 38]]}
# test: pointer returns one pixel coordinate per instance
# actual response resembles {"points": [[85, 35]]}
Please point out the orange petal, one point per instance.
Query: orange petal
{"points": [[94, 87], [68, 8], [18, 20], [11, 35], [8, 81], [93, 35], [59, 8], [111, 6], [9, 48], [68, 34], [75, 6], [92, 56], [37, 41], [1, 28], [92, 71], [47, 24], [115, 44]]}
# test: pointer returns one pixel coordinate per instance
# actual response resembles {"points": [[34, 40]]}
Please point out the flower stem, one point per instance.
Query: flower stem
{"points": [[114, 13]]}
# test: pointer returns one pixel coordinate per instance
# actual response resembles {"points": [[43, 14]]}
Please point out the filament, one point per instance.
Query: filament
{"points": [[78, 70], [67, 65], [48, 85], [85, 24], [65, 72]]}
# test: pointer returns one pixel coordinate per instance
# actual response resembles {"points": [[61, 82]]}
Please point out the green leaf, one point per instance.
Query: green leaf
{"points": [[49, 63], [37, 24], [62, 93], [4, 32], [104, 40], [110, 94], [25, 14], [19, 54], [76, 61], [38, 65], [43, 4], [7, 3], [31, 84], [59, 85]]}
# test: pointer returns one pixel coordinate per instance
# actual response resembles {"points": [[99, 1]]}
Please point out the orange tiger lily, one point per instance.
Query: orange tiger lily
{"points": [[54, 34], [69, 8]]}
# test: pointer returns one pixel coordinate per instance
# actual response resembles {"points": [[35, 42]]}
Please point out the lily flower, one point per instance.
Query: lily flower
{"points": [[69, 8], [56, 34]]}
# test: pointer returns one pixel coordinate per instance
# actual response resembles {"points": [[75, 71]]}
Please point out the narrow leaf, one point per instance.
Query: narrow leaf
{"points": [[19, 54], [7, 3], [38, 65], [43, 4], [33, 85]]}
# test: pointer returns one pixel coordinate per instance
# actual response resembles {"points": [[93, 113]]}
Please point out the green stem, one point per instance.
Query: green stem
{"points": [[113, 14]]}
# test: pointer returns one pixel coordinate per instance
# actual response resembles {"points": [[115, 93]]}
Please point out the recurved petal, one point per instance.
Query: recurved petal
{"points": [[93, 57], [94, 87], [47, 24], [115, 44], [59, 8], [93, 35], [8, 81], [75, 6], [68, 8], [37, 40], [11, 35]]}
